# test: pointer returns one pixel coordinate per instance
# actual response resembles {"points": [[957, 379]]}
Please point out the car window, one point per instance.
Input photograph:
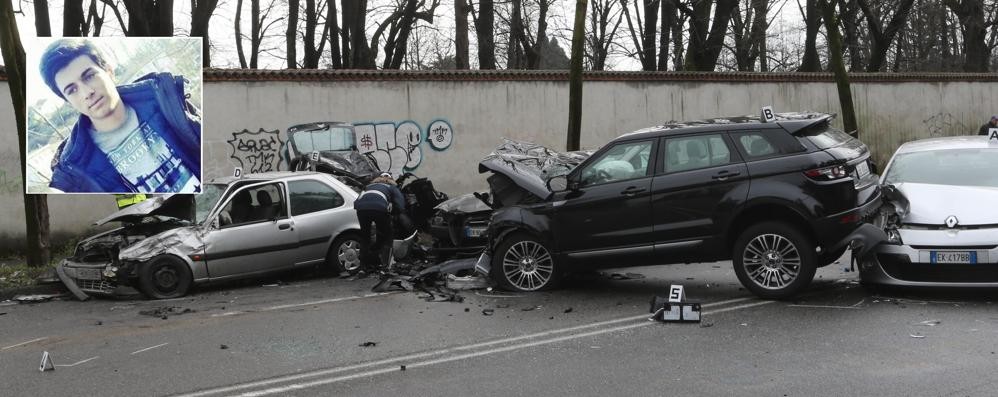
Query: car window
{"points": [[321, 139], [766, 143], [959, 167], [309, 196], [254, 204], [621, 162], [695, 152]]}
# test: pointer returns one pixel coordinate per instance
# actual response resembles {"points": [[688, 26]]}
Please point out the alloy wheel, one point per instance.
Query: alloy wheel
{"points": [[771, 261], [528, 266]]}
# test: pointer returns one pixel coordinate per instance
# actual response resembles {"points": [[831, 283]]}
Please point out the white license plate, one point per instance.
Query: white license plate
{"points": [[967, 257], [472, 231], [862, 169], [88, 274]]}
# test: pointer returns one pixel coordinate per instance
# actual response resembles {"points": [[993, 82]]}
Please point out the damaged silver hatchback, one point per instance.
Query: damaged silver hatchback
{"points": [[236, 228], [940, 216]]}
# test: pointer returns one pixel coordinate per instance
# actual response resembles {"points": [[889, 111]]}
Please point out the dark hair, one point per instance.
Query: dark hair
{"points": [[61, 52]]}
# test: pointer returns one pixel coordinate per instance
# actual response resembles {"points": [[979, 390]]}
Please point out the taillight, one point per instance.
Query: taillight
{"points": [[828, 173]]}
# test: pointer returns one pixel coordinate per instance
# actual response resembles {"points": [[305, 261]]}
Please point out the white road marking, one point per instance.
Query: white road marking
{"points": [[418, 356], [347, 298], [24, 343], [150, 348], [299, 386], [828, 307], [79, 362]]}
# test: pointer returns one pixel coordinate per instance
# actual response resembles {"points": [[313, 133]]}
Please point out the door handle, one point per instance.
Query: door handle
{"points": [[284, 226], [633, 190], [724, 175]]}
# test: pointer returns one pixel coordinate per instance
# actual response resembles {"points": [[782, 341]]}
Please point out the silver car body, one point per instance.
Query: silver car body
{"points": [[947, 236], [215, 247]]}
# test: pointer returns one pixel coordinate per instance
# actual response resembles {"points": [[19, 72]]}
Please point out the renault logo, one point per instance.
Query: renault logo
{"points": [[951, 221]]}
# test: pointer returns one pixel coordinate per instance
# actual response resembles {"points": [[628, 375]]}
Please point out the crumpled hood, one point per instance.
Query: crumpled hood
{"points": [[932, 204], [352, 162], [530, 165], [465, 204], [182, 241], [180, 206]]}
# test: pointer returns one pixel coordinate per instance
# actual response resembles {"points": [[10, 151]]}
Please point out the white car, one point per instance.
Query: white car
{"points": [[940, 215]]}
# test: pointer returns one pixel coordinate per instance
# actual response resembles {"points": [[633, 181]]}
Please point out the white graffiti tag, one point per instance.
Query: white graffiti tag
{"points": [[395, 149]]}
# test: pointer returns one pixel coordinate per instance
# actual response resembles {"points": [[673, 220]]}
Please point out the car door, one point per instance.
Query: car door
{"points": [[254, 233], [608, 214], [318, 212], [700, 180]]}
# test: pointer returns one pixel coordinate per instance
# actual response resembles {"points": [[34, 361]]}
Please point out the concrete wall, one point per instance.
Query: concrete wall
{"points": [[246, 119]]}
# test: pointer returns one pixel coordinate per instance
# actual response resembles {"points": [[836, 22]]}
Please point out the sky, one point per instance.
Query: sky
{"points": [[785, 13]]}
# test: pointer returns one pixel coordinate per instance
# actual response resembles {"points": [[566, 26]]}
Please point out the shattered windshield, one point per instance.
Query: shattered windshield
{"points": [[958, 167], [323, 138], [205, 201]]}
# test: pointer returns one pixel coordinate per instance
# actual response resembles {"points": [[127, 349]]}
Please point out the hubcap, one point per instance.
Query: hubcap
{"points": [[528, 265], [771, 261], [166, 278], [349, 255]]}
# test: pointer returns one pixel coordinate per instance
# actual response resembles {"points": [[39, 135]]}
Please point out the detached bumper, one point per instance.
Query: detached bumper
{"points": [[904, 265], [85, 279]]}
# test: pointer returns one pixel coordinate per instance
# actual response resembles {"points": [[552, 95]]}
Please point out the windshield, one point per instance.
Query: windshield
{"points": [[206, 200], [960, 167], [827, 137], [323, 138]]}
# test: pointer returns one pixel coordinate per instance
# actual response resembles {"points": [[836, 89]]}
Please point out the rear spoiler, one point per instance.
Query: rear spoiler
{"points": [[796, 127]]}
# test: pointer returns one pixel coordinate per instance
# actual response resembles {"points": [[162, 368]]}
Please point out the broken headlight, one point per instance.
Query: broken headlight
{"points": [[890, 221]]}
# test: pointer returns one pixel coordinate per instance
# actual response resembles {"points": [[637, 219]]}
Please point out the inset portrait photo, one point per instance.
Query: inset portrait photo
{"points": [[114, 115]]}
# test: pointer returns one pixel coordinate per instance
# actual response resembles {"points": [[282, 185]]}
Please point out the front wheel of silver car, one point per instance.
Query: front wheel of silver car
{"points": [[344, 254], [774, 260], [523, 263], [165, 277]]}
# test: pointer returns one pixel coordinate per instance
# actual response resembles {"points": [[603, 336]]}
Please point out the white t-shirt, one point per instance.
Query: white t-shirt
{"points": [[143, 158]]}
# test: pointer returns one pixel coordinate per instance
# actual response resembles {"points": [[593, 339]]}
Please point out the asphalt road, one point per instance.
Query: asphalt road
{"points": [[325, 336]]}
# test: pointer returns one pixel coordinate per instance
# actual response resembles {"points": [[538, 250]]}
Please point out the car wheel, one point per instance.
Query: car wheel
{"points": [[774, 260], [165, 277], [524, 263], [344, 254], [830, 258]]}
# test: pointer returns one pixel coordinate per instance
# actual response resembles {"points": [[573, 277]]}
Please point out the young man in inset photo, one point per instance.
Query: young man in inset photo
{"points": [[143, 137]]}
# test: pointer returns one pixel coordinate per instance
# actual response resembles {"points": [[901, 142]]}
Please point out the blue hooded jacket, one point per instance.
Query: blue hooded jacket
{"points": [[158, 99]]}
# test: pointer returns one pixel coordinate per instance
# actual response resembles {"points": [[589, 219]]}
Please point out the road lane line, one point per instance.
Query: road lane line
{"points": [[828, 307], [24, 343], [417, 356], [78, 362], [319, 302], [150, 348], [300, 386]]}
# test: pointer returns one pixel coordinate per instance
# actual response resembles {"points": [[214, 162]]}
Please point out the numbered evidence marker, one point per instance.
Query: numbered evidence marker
{"points": [[675, 307], [993, 136], [237, 172], [767, 114], [46, 364], [313, 160]]}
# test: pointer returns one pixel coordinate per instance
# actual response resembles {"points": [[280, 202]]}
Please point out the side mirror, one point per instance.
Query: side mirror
{"points": [[558, 183]]}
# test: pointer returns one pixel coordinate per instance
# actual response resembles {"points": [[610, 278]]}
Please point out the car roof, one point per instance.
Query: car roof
{"points": [[945, 143], [790, 121], [267, 176]]}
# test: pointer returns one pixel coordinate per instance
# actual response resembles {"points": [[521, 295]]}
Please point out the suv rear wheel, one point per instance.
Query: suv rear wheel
{"points": [[523, 263], [774, 260]]}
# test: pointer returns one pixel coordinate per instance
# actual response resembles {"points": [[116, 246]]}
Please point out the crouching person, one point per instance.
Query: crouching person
{"points": [[377, 205]]}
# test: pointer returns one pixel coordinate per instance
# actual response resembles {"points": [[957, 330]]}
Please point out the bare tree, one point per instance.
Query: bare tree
{"points": [[461, 33], [399, 26], [239, 35], [749, 33], [313, 51], [150, 17], [600, 36], [838, 66], [706, 34], [974, 30], [72, 18], [485, 32], [291, 35], [881, 37], [812, 21], [201, 12], [356, 51], [42, 25], [334, 33], [524, 50], [575, 77], [643, 30]]}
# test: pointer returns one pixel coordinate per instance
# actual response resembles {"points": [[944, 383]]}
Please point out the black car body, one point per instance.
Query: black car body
{"points": [[780, 199]]}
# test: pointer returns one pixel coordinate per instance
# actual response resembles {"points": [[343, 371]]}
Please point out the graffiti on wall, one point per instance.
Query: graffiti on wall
{"points": [[257, 151], [943, 124], [397, 147]]}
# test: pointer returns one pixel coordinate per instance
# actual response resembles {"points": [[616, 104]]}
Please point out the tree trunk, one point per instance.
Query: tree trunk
{"points": [[669, 20], [649, 36], [706, 53], [361, 56], [810, 62], [880, 36], [36, 214], [150, 17], [239, 35], [200, 16], [291, 35], [972, 25], [517, 39], [759, 27], [312, 53], [575, 78], [839, 68], [42, 25], [255, 27], [334, 35], [72, 18], [461, 34], [484, 30]]}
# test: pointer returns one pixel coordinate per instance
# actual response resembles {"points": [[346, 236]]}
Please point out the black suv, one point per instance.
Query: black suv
{"points": [[779, 199]]}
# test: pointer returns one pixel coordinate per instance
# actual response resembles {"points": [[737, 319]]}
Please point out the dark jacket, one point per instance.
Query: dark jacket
{"points": [[372, 201], [158, 99], [984, 128]]}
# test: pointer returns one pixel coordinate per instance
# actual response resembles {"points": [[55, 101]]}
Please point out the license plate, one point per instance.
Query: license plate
{"points": [[862, 169], [473, 231], [88, 274], [968, 257]]}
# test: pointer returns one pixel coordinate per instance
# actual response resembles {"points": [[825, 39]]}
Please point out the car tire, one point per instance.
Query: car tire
{"points": [[523, 263], [774, 260], [165, 277], [344, 253], [830, 258]]}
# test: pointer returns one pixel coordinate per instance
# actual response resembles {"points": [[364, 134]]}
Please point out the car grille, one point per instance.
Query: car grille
{"points": [[97, 286], [899, 267]]}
